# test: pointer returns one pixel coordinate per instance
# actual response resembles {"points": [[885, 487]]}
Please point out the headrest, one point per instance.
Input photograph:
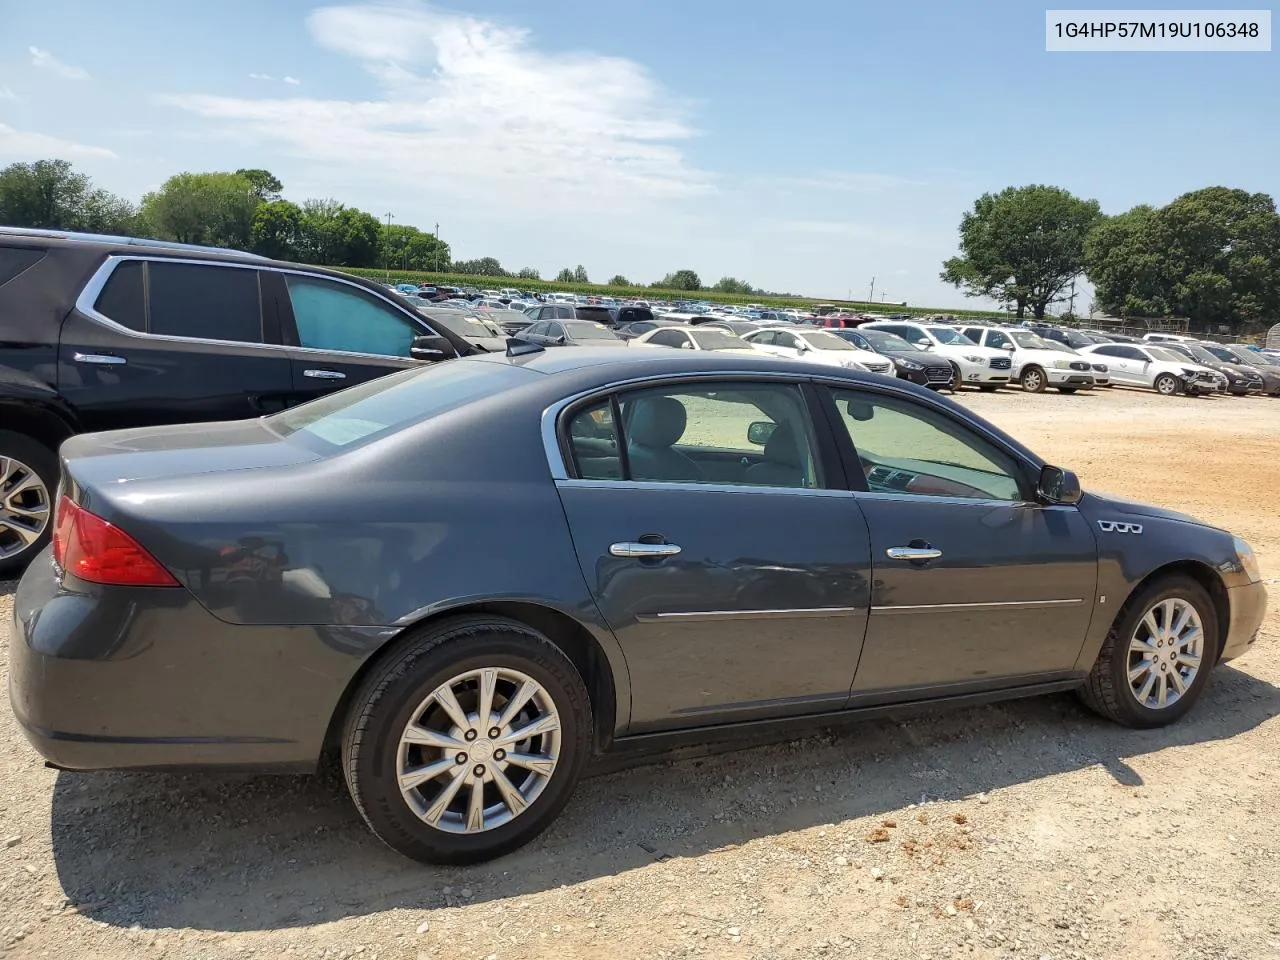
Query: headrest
{"points": [[782, 447], [658, 422]]}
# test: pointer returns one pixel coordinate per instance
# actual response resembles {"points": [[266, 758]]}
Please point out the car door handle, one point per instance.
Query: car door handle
{"points": [[324, 374], [644, 550], [914, 554], [105, 359]]}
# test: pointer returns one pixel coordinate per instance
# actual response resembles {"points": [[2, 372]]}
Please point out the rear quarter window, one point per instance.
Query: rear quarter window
{"points": [[122, 299], [17, 260]]}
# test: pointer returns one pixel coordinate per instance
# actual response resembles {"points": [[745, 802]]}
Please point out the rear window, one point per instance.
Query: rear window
{"points": [[206, 302], [14, 260], [122, 298], [369, 411]]}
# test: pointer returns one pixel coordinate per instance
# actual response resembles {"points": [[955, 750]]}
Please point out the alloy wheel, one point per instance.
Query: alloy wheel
{"points": [[1165, 653], [479, 750], [1166, 385], [24, 507]]}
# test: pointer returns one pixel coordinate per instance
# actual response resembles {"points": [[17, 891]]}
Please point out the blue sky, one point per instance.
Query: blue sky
{"points": [[806, 146]]}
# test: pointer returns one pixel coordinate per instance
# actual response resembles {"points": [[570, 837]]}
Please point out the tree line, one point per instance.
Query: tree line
{"points": [[244, 210], [1211, 256]]}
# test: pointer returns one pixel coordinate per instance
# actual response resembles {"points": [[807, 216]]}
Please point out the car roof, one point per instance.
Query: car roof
{"points": [[608, 364], [113, 241]]}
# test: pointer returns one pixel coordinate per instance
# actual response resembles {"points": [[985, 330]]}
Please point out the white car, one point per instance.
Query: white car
{"points": [[1101, 373], [694, 338], [1036, 365], [1155, 367], [977, 366], [818, 346]]}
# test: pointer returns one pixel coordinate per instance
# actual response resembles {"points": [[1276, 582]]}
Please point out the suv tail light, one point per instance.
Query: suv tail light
{"points": [[89, 548]]}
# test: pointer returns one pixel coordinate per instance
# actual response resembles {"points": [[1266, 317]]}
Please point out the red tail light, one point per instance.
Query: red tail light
{"points": [[89, 548]]}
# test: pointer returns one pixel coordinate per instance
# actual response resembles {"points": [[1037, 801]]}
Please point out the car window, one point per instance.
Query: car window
{"points": [[333, 316], [16, 260], [589, 330], [716, 340], [766, 338], [744, 434], [995, 338], [783, 339], [1161, 353], [668, 338], [203, 301], [953, 337], [905, 448], [538, 329], [821, 340], [974, 334], [1108, 351], [563, 313], [123, 298]]}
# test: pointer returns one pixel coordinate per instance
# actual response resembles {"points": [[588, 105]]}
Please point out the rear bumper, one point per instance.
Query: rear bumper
{"points": [[1248, 607], [116, 677]]}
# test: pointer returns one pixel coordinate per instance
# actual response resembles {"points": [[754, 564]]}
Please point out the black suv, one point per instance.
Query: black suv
{"points": [[101, 333]]}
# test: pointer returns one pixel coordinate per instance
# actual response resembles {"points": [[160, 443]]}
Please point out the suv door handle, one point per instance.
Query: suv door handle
{"points": [[914, 554], [644, 550], [102, 358], [324, 374]]}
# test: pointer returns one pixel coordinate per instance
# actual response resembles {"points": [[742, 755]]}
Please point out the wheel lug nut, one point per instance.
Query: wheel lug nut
{"points": [[479, 770], [499, 754], [461, 758], [470, 735], [495, 733]]}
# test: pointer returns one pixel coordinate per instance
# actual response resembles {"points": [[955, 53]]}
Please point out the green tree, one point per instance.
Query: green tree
{"points": [[1126, 264], [1022, 246], [618, 280], [682, 280], [50, 194], [580, 274], [277, 230], [318, 234], [529, 273], [564, 276], [731, 285], [484, 267], [210, 208], [409, 248], [265, 184]]}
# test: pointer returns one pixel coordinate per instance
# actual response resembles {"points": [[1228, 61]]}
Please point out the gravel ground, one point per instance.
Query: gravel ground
{"points": [[1028, 829]]}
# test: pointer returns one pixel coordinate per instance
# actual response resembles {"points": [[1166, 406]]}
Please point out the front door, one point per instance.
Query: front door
{"points": [[737, 598], [1128, 364], [975, 585]]}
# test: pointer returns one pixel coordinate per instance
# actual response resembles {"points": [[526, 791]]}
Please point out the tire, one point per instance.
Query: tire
{"points": [[1166, 384], [1033, 379], [1108, 691], [956, 377], [988, 387], [1065, 389], [29, 474], [403, 689]]}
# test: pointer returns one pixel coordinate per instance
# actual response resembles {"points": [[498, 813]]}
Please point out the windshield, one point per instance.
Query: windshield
{"points": [[1197, 353], [821, 340], [589, 330], [716, 340], [1027, 339], [947, 335], [1161, 353], [1055, 345], [465, 326], [880, 340]]}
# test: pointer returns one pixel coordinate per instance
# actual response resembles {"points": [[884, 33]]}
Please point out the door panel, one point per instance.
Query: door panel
{"points": [[760, 614]]}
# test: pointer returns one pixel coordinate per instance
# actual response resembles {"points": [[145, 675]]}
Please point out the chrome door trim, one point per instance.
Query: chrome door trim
{"points": [[702, 615], [687, 486], [961, 607], [102, 358]]}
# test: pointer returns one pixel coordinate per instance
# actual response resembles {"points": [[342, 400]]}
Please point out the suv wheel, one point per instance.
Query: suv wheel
{"points": [[1033, 380], [468, 741], [28, 479], [1166, 384]]}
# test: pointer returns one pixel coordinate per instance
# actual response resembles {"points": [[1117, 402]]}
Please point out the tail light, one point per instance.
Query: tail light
{"points": [[89, 548]]}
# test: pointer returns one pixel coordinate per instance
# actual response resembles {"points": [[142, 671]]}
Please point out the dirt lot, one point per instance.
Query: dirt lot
{"points": [[1024, 830]]}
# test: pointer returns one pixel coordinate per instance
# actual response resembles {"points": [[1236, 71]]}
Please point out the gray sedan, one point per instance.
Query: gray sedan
{"points": [[471, 579]]}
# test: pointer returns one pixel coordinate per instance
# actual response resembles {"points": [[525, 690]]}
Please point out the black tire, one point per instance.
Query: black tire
{"points": [[988, 387], [1107, 690], [44, 463], [956, 377], [1065, 389], [389, 698], [1033, 379], [1166, 384]]}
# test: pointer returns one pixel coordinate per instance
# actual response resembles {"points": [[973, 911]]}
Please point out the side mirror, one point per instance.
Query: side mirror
{"points": [[860, 410], [1058, 486], [432, 347], [1008, 346], [803, 346], [760, 431], [926, 344], [561, 340]]}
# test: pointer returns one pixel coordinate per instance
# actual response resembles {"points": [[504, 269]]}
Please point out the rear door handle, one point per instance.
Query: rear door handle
{"points": [[914, 554], [324, 374], [105, 359], [644, 549]]}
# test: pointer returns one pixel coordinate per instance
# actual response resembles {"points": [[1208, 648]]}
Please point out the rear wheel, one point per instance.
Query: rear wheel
{"points": [[1166, 384], [1033, 380], [28, 478], [468, 741], [1156, 660]]}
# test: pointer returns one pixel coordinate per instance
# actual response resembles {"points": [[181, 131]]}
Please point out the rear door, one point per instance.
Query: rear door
{"points": [[156, 341]]}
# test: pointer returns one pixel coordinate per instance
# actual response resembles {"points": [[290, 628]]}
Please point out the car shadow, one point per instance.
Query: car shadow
{"points": [[241, 853]]}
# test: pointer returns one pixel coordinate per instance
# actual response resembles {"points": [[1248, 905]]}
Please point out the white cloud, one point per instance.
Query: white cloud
{"points": [[37, 146], [852, 181], [475, 108], [292, 81], [7, 94], [261, 76], [47, 61]]}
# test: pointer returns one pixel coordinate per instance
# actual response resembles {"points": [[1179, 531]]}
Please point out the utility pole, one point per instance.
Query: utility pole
{"points": [[387, 258], [435, 253], [1071, 306], [871, 297]]}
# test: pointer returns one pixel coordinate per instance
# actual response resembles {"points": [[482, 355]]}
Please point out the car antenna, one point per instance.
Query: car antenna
{"points": [[518, 348]]}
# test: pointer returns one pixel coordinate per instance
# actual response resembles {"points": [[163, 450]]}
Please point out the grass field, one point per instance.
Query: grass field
{"points": [[655, 293]]}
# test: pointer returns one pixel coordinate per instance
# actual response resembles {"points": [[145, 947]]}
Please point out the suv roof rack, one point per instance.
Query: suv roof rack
{"points": [[110, 238]]}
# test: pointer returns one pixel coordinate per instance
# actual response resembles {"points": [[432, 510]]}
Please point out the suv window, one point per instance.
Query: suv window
{"points": [[564, 313], [333, 316], [15, 260], [203, 301], [123, 299]]}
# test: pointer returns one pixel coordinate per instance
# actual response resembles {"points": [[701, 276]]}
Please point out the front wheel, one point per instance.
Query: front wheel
{"points": [[468, 741], [28, 477], [956, 377], [1166, 384], [1156, 660], [1033, 380]]}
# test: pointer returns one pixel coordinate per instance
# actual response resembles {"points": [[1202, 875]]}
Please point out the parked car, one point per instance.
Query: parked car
{"points": [[1036, 365], [1268, 381], [102, 333], [629, 331], [481, 332], [977, 366], [1156, 368], [1263, 360], [549, 311], [695, 338], [1100, 372], [597, 313], [739, 327], [1241, 380], [1075, 339], [570, 333], [817, 346], [214, 601], [1168, 338], [910, 362]]}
